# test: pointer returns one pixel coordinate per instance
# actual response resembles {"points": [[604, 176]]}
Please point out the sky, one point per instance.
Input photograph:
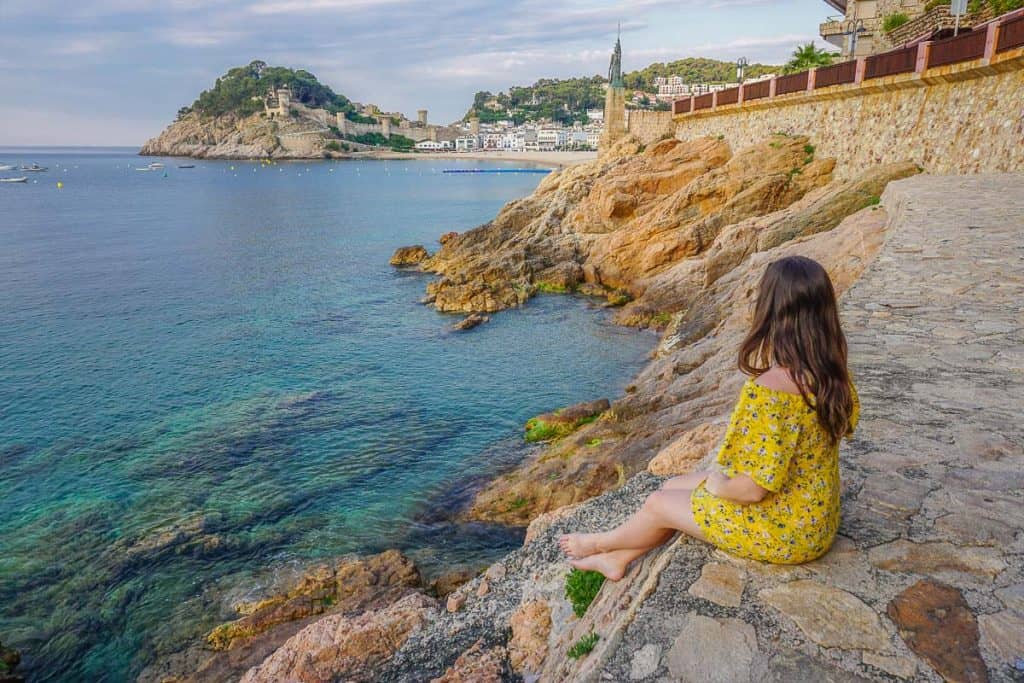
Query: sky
{"points": [[115, 72]]}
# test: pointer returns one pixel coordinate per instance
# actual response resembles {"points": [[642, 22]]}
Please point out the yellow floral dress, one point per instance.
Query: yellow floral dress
{"points": [[774, 438]]}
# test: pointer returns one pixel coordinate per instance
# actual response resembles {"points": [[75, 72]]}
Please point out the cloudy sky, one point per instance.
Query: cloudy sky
{"points": [[115, 71]]}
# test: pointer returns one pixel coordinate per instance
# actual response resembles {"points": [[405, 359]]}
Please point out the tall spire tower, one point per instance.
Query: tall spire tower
{"points": [[614, 100]]}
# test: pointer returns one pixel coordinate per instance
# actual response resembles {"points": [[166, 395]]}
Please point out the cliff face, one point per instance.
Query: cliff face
{"points": [[658, 231], [222, 137]]}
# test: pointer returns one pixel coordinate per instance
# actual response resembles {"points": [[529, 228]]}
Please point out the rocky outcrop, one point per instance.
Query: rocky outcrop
{"points": [[222, 137], [675, 235], [344, 647], [409, 256], [344, 588], [926, 578]]}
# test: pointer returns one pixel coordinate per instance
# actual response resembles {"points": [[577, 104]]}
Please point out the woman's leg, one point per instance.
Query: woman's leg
{"points": [[664, 510], [613, 565], [688, 481]]}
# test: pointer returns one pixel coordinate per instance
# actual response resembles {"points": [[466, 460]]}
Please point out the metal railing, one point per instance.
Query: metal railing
{"points": [[901, 61], [837, 74], [728, 96], [1011, 34], [756, 91], [964, 47], [1007, 32], [791, 83], [703, 102]]}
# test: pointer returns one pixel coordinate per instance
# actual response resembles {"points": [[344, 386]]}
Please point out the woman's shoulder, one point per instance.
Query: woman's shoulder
{"points": [[777, 379]]}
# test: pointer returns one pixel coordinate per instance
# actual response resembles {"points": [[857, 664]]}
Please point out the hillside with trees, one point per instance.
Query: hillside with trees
{"points": [[567, 100], [243, 89]]}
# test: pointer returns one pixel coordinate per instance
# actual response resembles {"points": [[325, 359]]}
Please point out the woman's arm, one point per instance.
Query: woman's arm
{"points": [[739, 489]]}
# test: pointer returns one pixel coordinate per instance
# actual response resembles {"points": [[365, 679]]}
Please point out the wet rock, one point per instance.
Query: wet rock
{"points": [[720, 583], [476, 665], [531, 625], [409, 256], [829, 616], [680, 456], [449, 582], [9, 661], [470, 321], [937, 625], [447, 237], [347, 585], [344, 647], [715, 650]]}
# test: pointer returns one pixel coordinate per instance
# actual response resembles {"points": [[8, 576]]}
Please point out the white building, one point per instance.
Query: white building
{"points": [[467, 143], [429, 146], [596, 115], [550, 139]]}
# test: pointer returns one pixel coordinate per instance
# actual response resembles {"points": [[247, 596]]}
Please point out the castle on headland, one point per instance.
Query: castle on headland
{"points": [[279, 104]]}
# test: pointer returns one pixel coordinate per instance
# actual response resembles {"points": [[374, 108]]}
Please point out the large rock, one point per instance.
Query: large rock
{"points": [[937, 625], [687, 450], [344, 647], [348, 585], [531, 625], [409, 256], [716, 650], [829, 616]]}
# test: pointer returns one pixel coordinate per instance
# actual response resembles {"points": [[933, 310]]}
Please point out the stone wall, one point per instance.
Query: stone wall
{"points": [[959, 119], [649, 126]]}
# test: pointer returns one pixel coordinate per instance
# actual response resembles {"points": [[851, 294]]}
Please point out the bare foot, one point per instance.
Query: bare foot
{"points": [[578, 545], [606, 563]]}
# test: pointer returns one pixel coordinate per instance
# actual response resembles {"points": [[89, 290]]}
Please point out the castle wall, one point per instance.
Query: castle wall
{"points": [[963, 118], [649, 126]]}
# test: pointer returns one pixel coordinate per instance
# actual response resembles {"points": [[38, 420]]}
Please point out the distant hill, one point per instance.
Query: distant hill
{"points": [[567, 100], [241, 91]]}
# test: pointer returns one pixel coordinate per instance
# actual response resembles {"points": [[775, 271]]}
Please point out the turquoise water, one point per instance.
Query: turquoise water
{"points": [[211, 373]]}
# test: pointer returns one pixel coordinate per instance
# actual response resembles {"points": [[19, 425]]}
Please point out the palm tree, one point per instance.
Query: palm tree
{"points": [[807, 56]]}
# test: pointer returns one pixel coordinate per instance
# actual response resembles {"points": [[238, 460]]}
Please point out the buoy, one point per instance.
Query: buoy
{"points": [[59, 184]]}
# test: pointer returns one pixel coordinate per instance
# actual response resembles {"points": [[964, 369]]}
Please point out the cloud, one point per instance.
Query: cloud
{"points": [[306, 6]]}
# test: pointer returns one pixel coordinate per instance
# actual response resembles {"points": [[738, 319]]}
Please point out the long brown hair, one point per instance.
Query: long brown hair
{"points": [[796, 325]]}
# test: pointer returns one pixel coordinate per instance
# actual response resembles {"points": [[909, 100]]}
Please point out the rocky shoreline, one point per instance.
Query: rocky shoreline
{"points": [[675, 236]]}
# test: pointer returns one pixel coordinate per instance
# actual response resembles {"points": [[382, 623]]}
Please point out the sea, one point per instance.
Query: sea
{"points": [[211, 378]]}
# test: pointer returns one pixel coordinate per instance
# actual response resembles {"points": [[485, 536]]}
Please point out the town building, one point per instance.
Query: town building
{"points": [[858, 28]]}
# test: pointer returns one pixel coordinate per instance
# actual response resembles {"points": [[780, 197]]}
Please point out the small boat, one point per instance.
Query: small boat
{"points": [[155, 165], [187, 166], [35, 168], [6, 167], [145, 169], [23, 179]]}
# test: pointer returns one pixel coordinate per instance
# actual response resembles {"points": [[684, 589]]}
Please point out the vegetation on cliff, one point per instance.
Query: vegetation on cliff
{"points": [[242, 91]]}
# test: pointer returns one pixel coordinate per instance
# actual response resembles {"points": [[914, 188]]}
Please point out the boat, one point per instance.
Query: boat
{"points": [[23, 179], [155, 165], [35, 168], [6, 167], [144, 168], [187, 166]]}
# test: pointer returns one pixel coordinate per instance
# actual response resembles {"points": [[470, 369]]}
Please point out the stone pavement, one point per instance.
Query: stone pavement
{"points": [[926, 581]]}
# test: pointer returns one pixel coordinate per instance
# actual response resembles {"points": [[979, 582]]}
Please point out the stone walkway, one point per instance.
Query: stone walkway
{"points": [[926, 581]]}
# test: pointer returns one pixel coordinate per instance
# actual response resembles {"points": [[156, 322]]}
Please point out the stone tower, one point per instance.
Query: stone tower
{"points": [[474, 124], [385, 126], [421, 114], [614, 102]]}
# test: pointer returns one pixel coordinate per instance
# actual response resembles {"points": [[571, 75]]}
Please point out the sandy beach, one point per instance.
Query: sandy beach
{"points": [[561, 159]]}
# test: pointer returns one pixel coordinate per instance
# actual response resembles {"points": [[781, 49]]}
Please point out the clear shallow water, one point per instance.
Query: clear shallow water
{"points": [[215, 372]]}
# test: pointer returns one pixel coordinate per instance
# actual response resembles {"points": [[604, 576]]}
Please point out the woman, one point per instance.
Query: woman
{"points": [[776, 498]]}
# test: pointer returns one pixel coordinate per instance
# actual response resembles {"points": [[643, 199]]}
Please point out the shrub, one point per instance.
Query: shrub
{"points": [[581, 587], [583, 646], [932, 4], [894, 21], [333, 146]]}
